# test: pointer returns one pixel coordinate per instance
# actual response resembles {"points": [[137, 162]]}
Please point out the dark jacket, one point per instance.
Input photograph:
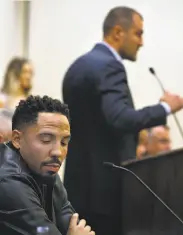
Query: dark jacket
{"points": [[28, 201], [104, 127]]}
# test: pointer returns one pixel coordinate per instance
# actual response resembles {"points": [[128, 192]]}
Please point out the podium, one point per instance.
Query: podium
{"points": [[142, 213]]}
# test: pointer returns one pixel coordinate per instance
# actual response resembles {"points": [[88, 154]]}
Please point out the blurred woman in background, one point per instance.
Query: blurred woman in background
{"points": [[17, 82]]}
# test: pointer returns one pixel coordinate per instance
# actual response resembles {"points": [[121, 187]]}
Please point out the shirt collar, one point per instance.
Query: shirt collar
{"points": [[113, 51]]}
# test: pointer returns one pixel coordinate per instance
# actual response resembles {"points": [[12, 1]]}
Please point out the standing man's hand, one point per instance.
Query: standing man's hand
{"points": [[174, 101]]}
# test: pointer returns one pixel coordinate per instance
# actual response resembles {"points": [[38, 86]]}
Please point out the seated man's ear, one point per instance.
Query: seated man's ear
{"points": [[16, 136]]}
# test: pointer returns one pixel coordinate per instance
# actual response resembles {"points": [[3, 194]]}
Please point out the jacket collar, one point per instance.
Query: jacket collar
{"points": [[11, 160]]}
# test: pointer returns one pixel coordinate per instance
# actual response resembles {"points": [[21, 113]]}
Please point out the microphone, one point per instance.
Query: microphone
{"points": [[113, 166], [152, 71]]}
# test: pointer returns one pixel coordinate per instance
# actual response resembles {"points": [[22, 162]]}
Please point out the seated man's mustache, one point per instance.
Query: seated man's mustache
{"points": [[53, 160]]}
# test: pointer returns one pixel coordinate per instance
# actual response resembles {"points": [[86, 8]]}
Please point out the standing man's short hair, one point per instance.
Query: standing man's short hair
{"points": [[119, 15]]}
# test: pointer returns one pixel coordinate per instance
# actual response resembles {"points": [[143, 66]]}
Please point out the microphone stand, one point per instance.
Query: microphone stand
{"points": [[112, 166]]}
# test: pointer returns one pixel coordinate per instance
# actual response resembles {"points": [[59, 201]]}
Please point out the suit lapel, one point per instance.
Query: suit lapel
{"points": [[102, 48]]}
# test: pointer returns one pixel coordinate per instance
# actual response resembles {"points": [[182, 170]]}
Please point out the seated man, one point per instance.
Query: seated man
{"points": [[141, 150], [31, 193], [5, 125]]}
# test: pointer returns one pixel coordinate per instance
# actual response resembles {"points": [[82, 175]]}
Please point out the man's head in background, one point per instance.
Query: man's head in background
{"points": [[5, 125], [158, 140], [123, 30]]}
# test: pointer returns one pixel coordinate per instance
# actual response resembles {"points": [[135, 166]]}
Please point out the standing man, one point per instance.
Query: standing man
{"points": [[104, 123]]}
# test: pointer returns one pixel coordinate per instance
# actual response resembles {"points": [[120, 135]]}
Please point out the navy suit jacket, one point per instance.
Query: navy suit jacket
{"points": [[104, 127]]}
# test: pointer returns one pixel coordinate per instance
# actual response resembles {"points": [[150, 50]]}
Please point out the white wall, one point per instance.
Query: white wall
{"points": [[11, 32], [6, 33], [62, 30]]}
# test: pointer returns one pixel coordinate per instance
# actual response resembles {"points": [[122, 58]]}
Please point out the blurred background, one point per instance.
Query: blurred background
{"points": [[52, 33]]}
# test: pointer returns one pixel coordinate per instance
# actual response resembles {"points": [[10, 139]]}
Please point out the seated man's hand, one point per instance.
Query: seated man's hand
{"points": [[80, 228]]}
